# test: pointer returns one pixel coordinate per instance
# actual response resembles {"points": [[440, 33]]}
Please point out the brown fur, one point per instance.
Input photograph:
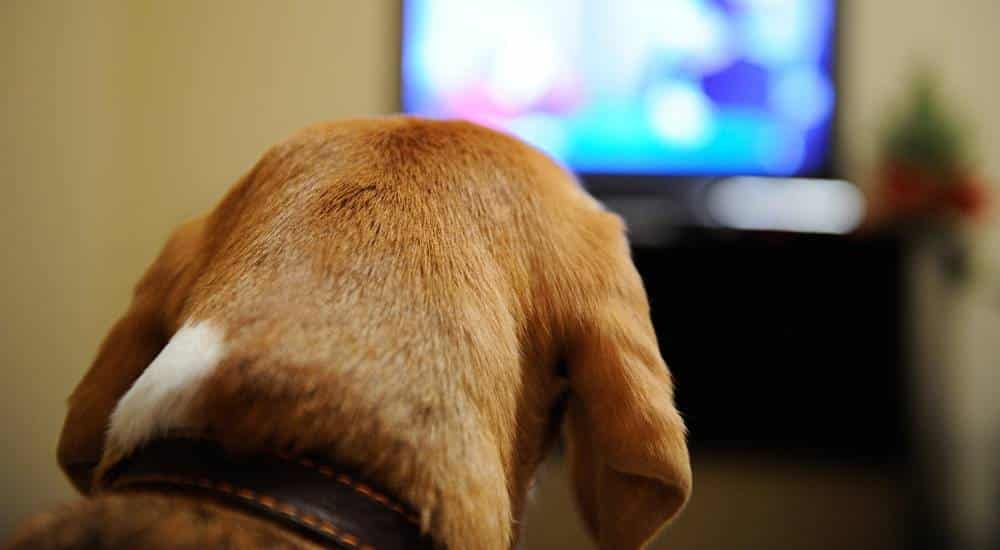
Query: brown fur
{"points": [[151, 522], [399, 294]]}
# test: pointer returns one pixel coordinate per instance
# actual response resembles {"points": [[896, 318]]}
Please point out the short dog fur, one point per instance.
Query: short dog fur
{"points": [[412, 297]]}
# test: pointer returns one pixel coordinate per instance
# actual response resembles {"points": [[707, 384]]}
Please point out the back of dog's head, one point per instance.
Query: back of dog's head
{"points": [[399, 294]]}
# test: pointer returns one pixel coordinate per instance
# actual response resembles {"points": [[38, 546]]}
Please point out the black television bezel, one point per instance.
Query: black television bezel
{"points": [[617, 184]]}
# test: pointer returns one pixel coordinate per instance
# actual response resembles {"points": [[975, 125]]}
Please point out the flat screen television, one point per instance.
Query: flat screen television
{"points": [[634, 87]]}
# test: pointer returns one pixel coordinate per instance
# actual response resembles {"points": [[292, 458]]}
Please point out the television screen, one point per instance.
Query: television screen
{"points": [[654, 87]]}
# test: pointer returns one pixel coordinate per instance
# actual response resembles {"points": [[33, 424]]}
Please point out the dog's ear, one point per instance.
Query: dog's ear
{"points": [[126, 351], [625, 439]]}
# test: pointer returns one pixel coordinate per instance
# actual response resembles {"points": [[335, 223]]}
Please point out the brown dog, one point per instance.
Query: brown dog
{"points": [[406, 296]]}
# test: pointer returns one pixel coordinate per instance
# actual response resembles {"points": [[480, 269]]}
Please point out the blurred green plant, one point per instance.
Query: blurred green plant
{"points": [[926, 171], [923, 135], [927, 180]]}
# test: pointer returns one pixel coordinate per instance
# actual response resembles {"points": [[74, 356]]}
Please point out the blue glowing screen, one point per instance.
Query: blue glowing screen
{"points": [[687, 87]]}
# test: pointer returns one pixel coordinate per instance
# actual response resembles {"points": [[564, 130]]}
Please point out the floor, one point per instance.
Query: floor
{"points": [[747, 504]]}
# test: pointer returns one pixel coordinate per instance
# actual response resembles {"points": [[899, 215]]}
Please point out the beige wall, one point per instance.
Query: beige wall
{"points": [[122, 118], [957, 360]]}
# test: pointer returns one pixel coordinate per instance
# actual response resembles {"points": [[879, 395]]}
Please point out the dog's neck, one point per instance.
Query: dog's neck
{"points": [[251, 396], [324, 503]]}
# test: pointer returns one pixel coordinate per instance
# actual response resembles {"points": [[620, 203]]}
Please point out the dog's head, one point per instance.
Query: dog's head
{"points": [[415, 297]]}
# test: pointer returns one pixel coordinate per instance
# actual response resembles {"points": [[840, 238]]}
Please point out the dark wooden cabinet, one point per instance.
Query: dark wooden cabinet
{"points": [[789, 344]]}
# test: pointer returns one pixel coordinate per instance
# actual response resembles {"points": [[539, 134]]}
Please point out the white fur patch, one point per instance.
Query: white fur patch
{"points": [[160, 398]]}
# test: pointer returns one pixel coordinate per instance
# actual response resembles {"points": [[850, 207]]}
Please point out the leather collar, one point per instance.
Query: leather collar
{"points": [[326, 503]]}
